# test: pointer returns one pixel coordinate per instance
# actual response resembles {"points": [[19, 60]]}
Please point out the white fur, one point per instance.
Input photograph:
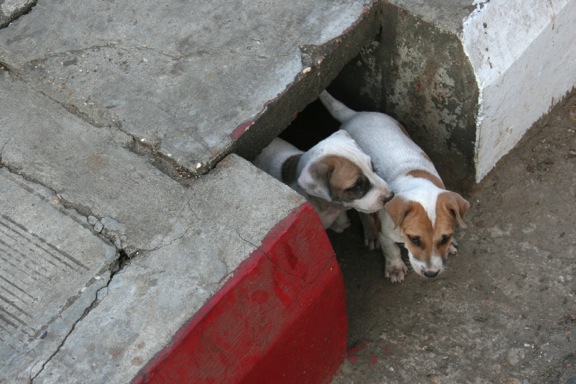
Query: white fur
{"points": [[394, 156], [340, 144]]}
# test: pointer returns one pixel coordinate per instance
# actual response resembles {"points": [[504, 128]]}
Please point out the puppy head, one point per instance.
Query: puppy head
{"points": [[427, 227], [337, 171]]}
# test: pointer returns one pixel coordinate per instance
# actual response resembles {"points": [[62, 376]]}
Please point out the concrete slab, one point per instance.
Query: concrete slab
{"points": [[51, 268], [186, 79], [178, 245]]}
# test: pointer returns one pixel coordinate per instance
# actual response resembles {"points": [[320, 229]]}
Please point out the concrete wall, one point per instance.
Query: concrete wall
{"points": [[524, 56], [466, 78]]}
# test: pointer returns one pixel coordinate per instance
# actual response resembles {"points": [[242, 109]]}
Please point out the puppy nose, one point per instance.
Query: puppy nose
{"points": [[389, 197], [431, 273]]}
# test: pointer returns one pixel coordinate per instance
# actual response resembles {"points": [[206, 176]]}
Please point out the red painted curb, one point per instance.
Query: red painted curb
{"points": [[280, 319]]}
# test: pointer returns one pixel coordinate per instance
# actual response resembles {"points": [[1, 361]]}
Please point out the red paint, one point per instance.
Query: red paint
{"points": [[374, 359], [240, 130], [353, 359], [280, 319], [418, 86]]}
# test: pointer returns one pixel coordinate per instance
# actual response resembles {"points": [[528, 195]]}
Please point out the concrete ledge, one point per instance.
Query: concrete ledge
{"points": [[268, 324], [187, 80], [524, 57], [175, 247]]}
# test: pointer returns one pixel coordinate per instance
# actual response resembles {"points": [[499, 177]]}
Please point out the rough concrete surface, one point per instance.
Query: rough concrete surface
{"points": [[181, 76], [50, 271], [11, 9], [504, 311], [80, 193]]}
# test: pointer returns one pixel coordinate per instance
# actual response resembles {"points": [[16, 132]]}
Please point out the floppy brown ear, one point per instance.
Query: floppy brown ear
{"points": [[458, 206], [397, 208]]}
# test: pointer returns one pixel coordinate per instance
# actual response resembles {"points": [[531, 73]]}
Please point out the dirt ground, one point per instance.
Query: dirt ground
{"points": [[504, 311]]}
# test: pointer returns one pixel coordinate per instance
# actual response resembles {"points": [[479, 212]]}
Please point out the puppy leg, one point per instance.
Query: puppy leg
{"points": [[453, 248], [395, 269], [370, 230], [341, 223]]}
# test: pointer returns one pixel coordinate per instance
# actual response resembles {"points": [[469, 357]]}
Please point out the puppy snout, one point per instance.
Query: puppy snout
{"points": [[388, 197], [431, 273]]}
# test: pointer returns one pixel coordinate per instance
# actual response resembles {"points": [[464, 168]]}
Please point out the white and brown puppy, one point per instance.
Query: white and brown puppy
{"points": [[334, 175], [423, 214]]}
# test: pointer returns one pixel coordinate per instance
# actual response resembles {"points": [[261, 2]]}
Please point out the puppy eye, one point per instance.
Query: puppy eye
{"points": [[415, 240], [445, 239], [359, 183]]}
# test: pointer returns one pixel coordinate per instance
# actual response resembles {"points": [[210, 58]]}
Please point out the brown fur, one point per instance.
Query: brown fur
{"points": [[413, 220], [421, 174], [344, 179]]}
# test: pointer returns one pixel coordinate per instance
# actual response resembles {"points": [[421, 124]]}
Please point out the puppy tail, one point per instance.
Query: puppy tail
{"points": [[338, 110]]}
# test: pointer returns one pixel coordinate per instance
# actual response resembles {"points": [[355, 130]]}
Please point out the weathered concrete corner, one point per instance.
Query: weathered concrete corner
{"points": [[448, 72], [220, 228], [11, 9]]}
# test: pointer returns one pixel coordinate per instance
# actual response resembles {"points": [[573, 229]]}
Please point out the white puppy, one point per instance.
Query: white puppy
{"points": [[334, 175], [423, 214]]}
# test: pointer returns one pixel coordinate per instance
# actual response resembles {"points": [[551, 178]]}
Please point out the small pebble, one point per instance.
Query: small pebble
{"points": [[98, 227]]}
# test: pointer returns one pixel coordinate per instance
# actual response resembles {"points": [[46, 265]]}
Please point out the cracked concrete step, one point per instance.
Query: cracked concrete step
{"points": [[50, 270], [187, 78], [234, 236]]}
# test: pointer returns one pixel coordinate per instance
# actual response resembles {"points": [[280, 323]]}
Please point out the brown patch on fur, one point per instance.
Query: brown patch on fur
{"points": [[396, 209], [417, 224], [451, 206], [345, 179], [289, 169], [421, 174], [414, 222]]}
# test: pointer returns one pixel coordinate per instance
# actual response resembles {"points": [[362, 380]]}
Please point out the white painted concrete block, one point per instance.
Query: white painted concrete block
{"points": [[524, 56]]}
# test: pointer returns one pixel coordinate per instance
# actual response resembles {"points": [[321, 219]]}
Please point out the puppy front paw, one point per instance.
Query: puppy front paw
{"points": [[396, 272], [371, 230], [341, 223], [453, 248]]}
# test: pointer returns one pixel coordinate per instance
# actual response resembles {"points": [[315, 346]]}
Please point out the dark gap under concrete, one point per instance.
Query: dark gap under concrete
{"points": [[311, 125]]}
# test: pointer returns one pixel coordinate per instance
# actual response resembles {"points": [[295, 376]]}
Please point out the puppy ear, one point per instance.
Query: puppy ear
{"points": [[397, 208], [458, 206], [314, 179]]}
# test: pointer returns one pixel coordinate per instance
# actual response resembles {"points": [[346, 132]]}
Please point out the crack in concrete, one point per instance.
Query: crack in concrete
{"points": [[163, 162], [114, 268], [145, 47]]}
